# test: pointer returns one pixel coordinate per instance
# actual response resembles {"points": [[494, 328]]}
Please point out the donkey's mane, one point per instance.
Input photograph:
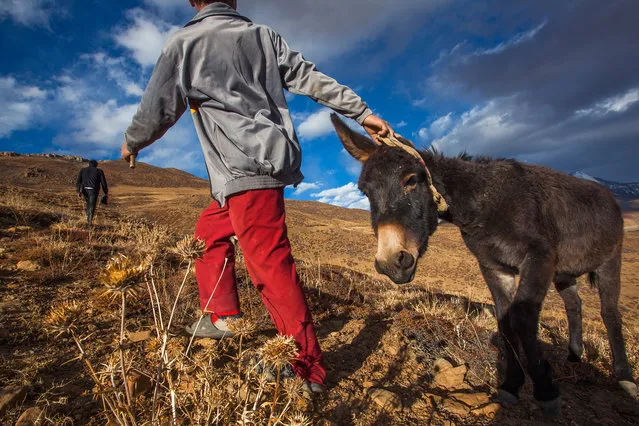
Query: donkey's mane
{"points": [[434, 154]]}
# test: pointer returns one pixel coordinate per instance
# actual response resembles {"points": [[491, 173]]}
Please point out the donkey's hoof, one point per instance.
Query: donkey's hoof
{"points": [[551, 408], [629, 387], [506, 398], [573, 358]]}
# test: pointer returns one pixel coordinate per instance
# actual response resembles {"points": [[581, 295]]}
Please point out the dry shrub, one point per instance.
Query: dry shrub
{"points": [[205, 383]]}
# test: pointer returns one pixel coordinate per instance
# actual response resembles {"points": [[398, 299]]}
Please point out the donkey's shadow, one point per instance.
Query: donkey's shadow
{"points": [[587, 392]]}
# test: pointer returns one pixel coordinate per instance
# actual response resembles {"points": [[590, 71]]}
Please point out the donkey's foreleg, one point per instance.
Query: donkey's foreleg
{"points": [[536, 275], [609, 290], [567, 288], [502, 287]]}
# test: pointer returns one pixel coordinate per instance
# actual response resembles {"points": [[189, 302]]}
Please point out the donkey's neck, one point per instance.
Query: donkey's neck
{"points": [[459, 182]]}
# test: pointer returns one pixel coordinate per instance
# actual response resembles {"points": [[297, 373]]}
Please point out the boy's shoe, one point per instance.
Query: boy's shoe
{"points": [[207, 329], [312, 390], [270, 373]]}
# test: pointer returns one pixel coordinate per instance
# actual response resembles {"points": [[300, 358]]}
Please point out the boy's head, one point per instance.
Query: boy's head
{"points": [[93, 163], [199, 4]]}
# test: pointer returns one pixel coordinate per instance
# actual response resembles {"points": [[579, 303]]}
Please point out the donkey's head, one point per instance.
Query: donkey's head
{"points": [[403, 213]]}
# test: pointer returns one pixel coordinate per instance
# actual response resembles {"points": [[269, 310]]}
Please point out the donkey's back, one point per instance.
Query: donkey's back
{"points": [[577, 220]]}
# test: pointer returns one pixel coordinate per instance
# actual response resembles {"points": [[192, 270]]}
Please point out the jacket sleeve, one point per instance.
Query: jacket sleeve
{"points": [[163, 103], [300, 76], [103, 183], [78, 183]]}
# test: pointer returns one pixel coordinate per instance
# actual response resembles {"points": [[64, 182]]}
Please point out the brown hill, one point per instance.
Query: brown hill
{"points": [[378, 337], [58, 173]]}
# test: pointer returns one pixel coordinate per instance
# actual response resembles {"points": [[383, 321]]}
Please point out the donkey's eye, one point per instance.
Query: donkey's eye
{"points": [[409, 182]]}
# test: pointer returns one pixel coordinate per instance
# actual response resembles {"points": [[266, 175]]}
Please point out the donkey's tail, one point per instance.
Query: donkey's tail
{"points": [[593, 279]]}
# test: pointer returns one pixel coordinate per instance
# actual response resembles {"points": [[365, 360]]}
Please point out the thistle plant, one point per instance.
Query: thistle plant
{"points": [[121, 277], [299, 419], [242, 327], [189, 248], [293, 388], [62, 320], [277, 353]]}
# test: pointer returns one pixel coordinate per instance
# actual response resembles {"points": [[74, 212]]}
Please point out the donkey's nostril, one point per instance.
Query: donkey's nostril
{"points": [[405, 260]]}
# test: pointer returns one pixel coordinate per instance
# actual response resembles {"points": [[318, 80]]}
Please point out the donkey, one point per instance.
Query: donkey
{"points": [[516, 219]]}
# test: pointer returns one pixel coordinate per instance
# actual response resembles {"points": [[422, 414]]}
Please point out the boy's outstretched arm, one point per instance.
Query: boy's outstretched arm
{"points": [[302, 77], [163, 103]]}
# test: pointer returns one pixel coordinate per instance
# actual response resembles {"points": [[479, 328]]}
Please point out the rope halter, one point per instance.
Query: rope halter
{"points": [[393, 142]]}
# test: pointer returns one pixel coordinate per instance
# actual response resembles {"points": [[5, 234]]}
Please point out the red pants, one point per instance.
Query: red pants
{"points": [[257, 218]]}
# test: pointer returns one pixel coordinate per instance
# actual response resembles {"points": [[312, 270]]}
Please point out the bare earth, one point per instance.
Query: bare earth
{"points": [[374, 333]]}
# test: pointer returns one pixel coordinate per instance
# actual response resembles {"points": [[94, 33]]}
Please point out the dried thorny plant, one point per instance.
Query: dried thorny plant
{"points": [[62, 320], [243, 328], [121, 276], [215, 384], [299, 419], [189, 248], [278, 351]]}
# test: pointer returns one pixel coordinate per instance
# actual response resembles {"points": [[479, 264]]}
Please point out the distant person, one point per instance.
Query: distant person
{"points": [[232, 74], [90, 179]]}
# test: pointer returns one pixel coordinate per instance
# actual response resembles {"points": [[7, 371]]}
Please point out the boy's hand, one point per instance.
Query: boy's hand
{"points": [[128, 156], [376, 127]]}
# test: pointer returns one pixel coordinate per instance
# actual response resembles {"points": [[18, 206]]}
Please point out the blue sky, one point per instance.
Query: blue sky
{"points": [[546, 82]]}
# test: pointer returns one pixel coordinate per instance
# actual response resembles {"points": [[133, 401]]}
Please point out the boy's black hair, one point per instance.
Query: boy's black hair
{"points": [[93, 163], [214, 1]]}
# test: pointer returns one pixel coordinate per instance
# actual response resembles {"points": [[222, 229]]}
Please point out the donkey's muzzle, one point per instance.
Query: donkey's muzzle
{"points": [[400, 268]]}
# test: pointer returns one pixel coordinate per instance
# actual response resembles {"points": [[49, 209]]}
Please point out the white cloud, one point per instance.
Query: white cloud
{"points": [[401, 124], [617, 104], [27, 12], [441, 125], [348, 196], [166, 3], [349, 164], [33, 92], [144, 37], [316, 125], [133, 89], [423, 134], [18, 110], [179, 148], [492, 129], [103, 124], [518, 39], [303, 187], [117, 70]]}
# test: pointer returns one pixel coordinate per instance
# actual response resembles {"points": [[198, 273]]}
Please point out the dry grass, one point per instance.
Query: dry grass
{"points": [[369, 328]]}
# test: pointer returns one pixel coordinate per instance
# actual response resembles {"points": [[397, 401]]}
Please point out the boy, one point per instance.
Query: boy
{"points": [[233, 73]]}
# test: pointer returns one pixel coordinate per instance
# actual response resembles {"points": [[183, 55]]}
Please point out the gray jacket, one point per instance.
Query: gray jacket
{"points": [[232, 73]]}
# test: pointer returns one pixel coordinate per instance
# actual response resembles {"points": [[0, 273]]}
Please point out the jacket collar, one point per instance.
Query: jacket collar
{"points": [[216, 9]]}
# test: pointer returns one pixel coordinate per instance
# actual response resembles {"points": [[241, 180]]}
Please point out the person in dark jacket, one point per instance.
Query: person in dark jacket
{"points": [[90, 179], [231, 73]]}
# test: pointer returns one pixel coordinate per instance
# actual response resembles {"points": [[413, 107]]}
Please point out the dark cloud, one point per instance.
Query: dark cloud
{"points": [[562, 89], [325, 30]]}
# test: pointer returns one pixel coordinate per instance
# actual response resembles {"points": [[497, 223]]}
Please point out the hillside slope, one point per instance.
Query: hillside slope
{"points": [[380, 340]]}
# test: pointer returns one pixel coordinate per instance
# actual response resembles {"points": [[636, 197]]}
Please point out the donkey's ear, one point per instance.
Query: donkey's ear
{"points": [[359, 146]]}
